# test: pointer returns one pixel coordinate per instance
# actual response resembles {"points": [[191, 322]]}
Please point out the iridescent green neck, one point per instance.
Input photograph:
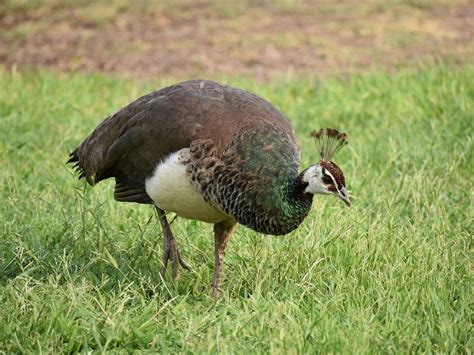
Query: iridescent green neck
{"points": [[279, 211], [293, 206]]}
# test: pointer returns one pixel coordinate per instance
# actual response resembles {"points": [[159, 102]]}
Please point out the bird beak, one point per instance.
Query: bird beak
{"points": [[342, 194]]}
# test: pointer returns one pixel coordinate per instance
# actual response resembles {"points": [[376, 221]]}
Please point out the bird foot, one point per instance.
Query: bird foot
{"points": [[171, 253]]}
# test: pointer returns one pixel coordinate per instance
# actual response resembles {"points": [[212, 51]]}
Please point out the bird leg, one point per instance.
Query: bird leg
{"points": [[171, 251], [222, 233]]}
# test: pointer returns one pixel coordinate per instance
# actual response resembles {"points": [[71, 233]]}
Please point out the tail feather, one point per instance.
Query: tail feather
{"points": [[73, 157], [78, 168]]}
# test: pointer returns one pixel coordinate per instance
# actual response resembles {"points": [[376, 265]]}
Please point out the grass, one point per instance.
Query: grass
{"points": [[79, 272]]}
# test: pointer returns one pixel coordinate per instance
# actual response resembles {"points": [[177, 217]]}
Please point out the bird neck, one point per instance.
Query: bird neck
{"points": [[290, 205], [295, 204]]}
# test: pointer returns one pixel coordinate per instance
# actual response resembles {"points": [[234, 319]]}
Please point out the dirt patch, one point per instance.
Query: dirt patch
{"points": [[260, 39]]}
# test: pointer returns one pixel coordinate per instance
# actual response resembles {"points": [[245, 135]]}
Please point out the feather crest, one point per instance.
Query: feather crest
{"points": [[329, 141]]}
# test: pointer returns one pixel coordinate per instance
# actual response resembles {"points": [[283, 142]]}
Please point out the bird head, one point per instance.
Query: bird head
{"points": [[326, 177]]}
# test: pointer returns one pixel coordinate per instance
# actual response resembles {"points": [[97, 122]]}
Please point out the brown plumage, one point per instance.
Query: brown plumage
{"points": [[129, 144], [233, 155], [336, 172]]}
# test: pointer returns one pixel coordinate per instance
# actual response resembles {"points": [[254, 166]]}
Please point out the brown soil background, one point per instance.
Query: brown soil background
{"points": [[261, 39]]}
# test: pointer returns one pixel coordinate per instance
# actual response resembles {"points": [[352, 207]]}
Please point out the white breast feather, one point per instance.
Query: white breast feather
{"points": [[171, 190]]}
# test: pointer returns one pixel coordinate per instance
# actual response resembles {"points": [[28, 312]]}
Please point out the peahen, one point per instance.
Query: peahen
{"points": [[213, 153]]}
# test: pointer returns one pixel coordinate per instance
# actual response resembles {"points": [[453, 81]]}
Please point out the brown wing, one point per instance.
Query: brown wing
{"points": [[129, 144]]}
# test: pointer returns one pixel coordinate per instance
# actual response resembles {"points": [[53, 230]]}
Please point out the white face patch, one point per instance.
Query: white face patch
{"points": [[314, 177], [332, 178]]}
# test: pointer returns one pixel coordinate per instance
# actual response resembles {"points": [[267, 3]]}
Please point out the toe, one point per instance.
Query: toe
{"points": [[183, 263]]}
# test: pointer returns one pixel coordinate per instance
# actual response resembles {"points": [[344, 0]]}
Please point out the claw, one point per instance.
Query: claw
{"points": [[171, 251], [183, 263]]}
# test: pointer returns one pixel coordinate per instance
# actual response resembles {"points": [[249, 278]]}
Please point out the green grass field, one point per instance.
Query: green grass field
{"points": [[79, 271]]}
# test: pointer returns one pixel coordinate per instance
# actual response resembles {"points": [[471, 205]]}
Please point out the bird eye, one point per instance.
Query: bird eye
{"points": [[327, 180]]}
